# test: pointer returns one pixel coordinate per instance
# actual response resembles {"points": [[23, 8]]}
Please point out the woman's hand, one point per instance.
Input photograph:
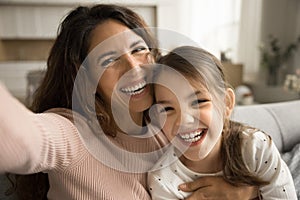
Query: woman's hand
{"points": [[217, 188]]}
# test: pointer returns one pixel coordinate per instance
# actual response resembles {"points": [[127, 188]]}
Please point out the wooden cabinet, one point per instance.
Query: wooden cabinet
{"points": [[233, 73], [36, 19], [30, 21]]}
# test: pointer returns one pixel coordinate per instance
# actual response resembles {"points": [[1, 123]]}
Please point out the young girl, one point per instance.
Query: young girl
{"points": [[193, 108]]}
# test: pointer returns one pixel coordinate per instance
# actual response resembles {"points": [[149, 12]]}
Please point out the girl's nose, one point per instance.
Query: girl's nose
{"points": [[187, 118]]}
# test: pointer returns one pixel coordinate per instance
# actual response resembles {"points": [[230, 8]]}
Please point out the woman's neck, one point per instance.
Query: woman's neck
{"points": [[133, 124]]}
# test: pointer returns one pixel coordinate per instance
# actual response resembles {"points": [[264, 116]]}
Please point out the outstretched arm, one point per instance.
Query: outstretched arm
{"points": [[15, 122], [32, 142], [213, 187]]}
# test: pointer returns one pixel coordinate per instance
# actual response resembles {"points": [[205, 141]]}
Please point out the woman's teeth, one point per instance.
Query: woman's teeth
{"points": [[135, 89], [192, 136]]}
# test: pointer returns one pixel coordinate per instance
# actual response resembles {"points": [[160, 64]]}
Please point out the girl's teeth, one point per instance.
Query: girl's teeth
{"points": [[195, 139], [192, 137]]}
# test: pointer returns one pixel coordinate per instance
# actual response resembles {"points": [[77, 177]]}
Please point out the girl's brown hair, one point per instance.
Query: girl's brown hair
{"points": [[66, 56], [200, 66]]}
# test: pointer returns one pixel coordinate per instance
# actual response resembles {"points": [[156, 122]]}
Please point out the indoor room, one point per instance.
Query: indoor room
{"points": [[256, 41]]}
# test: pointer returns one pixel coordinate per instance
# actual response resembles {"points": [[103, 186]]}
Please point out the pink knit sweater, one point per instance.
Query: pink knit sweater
{"points": [[50, 142]]}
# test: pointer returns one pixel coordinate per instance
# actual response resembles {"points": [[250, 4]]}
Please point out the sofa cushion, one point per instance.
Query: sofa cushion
{"points": [[280, 120], [292, 159]]}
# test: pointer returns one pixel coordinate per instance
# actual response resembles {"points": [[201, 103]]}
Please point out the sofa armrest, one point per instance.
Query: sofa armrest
{"points": [[280, 120]]}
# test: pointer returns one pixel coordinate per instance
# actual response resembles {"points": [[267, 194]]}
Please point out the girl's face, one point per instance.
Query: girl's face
{"points": [[189, 116], [117, 55]]}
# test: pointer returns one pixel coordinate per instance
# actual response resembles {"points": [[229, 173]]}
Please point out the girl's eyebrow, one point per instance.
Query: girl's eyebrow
{"points": [[194, 94], [169, 102], [163, 102]]}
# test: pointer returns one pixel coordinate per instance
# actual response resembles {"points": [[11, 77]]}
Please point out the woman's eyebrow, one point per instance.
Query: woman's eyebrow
{"points": [[136, 43], [114, 52]]}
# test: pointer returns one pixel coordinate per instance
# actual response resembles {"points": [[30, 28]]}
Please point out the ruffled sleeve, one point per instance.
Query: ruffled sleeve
{"points": [[264, 160]]}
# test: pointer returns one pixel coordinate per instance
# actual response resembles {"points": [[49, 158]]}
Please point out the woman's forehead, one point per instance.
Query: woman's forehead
{"points": [[112, 35]]}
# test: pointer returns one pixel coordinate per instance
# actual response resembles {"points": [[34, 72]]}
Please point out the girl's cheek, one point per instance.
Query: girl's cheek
{"points": [[167, 130]]}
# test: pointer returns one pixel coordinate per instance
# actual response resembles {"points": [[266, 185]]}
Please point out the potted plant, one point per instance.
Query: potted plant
{"points": [[273, 56]]}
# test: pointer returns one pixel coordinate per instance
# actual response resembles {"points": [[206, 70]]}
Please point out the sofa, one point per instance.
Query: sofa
{"points": [[280, 120]]}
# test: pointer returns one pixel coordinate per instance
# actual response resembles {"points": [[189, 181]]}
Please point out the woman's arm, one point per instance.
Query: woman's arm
{"points": [[215, 187], [20, 138], [32, 142]]}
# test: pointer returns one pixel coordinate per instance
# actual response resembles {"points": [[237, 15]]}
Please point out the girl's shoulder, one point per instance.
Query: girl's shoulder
{"points": [[255, 136], [257, 149]]}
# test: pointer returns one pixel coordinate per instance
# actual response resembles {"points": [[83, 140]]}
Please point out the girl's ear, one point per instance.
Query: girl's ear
{"points": [[230, 101]]}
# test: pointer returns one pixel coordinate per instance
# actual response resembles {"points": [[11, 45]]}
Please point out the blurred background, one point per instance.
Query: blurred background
{"points": [[247, 35]]}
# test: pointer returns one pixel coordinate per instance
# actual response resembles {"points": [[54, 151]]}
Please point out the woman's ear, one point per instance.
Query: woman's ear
{"points": [[230, 101]]}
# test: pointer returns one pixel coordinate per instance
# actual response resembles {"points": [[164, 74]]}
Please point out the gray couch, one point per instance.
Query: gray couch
{"points": [[280, 120]]}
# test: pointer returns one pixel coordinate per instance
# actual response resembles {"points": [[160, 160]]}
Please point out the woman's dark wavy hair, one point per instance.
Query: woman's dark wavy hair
{"points": [[66, 56], [188, 61]]}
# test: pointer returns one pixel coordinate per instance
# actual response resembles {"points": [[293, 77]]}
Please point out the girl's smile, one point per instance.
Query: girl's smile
{"points": [[193, 138]]}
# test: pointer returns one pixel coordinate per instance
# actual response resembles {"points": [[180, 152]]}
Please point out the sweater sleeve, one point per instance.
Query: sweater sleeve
{"points": [[34, 142], [263, 160]]}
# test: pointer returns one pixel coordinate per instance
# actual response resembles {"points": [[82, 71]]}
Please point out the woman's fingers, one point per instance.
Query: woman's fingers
{"points": [[197, 184], [217, 188]]}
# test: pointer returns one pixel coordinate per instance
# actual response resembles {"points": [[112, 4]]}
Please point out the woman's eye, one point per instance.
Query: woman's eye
{"points": [[108, 61], [199, 101], [139, 49]]}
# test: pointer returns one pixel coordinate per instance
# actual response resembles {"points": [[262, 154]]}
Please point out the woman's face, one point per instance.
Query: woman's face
{"points": [[117, 55], [189, 118]]}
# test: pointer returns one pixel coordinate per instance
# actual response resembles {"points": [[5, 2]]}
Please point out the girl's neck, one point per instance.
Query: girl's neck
{"points": [[212, 163]]}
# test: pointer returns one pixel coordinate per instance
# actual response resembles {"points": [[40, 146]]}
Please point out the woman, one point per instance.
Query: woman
{"points": [[89, 72]]}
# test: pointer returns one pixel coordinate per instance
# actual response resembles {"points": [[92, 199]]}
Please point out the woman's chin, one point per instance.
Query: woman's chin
{"points": [[141, 104]]}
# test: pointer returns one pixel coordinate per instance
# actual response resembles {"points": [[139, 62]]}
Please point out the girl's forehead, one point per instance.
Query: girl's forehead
{"points": [[199, 85], [170, 77], [181, 86]]}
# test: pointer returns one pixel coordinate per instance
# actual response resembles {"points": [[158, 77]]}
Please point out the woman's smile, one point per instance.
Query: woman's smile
{"points": [[135, 88]]}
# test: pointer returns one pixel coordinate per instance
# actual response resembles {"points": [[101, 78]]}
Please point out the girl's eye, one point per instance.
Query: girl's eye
{"points": [[199, 101], [139, 49], [166, 109]]}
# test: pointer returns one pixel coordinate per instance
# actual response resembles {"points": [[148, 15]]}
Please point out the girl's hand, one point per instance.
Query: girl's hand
{"points": [[217, 188]]}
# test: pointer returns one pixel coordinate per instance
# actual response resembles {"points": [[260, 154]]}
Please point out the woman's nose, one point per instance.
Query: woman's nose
{"points": [[130, 61]]}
